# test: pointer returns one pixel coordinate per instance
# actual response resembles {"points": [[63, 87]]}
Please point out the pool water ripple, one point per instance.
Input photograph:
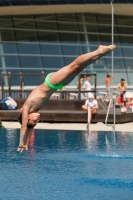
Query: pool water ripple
{"points": [[65, 165]]}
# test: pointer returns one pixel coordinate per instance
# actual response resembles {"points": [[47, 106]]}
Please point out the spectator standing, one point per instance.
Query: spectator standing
{"points": [[80, 84], [108, 83], [87, 86]]}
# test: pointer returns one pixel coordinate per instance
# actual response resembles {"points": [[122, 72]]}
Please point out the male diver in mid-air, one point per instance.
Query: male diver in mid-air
{"points": [[53, 81]]}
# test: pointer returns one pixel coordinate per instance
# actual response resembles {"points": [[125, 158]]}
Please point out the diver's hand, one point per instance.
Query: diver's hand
{"points": [[22, 148]]}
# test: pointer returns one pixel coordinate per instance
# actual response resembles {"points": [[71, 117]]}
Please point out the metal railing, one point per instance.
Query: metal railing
{"points": [[112, 100], [22, 93]]}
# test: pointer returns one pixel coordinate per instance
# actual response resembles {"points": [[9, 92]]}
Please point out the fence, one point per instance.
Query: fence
{"points": [[23, 93]]}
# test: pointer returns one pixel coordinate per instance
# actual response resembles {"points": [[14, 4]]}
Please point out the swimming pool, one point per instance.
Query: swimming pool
{"points": [[67, 165]]}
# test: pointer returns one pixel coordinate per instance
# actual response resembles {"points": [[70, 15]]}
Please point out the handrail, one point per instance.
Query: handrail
{"points": [[88, 118], [43, 75], [108, 113], [114, 95]]}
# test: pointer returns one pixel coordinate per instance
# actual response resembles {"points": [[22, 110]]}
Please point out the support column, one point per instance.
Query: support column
{"points": [[86, 38], [2, 60]]}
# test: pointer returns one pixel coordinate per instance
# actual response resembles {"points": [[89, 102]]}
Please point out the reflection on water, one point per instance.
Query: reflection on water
{"points": [[67, 165]]}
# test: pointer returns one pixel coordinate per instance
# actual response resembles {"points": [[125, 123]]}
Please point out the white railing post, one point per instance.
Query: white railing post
{"points": [[88, 118]]}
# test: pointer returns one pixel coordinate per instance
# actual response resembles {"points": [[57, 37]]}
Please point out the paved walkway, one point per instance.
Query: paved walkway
{"points": [[73, 126]]}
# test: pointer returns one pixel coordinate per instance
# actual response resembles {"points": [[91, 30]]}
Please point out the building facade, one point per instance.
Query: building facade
{"points": [[38, 36]]}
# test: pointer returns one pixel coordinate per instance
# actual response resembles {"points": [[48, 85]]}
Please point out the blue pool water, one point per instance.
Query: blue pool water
{"points": [[65, 165]]}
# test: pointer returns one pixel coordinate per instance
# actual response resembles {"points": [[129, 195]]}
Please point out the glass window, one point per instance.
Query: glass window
{"points": [[46, 25], [129, 63], [105, 39], [49, 42], [125, 30], [72, 50], [68, 60], [9, 61], [104, 29], [129, 69], [124, 20], [5, 21], [70, 37], [67, 27], [71, 17], [91, 39], [22, 35], [51, 49], [89, 18], [118, 75], [9, 48], [126, 40], [53, 63], [127, 51], [30, 61], [118, 52], [118, 63], [15, 80], [48, 37], [28, 48], [101, 77], [104, 19], [47, 17], [130, 77], [32, 80], [24, 22], [7, 35], [117, 40]]}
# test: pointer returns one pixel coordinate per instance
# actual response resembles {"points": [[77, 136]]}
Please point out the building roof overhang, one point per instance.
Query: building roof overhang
{"points": [[119, 9]]}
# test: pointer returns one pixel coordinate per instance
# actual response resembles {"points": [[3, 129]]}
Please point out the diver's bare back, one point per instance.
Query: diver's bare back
{"points": [[38, 97]]}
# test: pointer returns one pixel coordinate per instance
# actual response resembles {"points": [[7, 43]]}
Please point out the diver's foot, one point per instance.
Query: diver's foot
{"points": [[106, 49]]}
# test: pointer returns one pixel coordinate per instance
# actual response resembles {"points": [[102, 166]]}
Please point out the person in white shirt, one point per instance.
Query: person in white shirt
{"points": [[90, 105], [87, 86]]}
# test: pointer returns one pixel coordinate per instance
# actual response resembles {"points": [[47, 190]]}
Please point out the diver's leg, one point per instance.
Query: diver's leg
{"points": [[66, 74]]}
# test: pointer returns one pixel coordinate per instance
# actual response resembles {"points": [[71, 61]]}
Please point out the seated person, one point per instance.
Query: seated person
{"points": [[90, 105], [122, 87], [127, 102]]}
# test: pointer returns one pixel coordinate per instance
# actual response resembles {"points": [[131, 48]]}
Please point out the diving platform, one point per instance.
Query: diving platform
{"points": [[69, 111]]}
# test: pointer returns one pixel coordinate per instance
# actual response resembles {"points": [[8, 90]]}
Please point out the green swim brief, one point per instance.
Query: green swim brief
{"points": [[50, 85]]}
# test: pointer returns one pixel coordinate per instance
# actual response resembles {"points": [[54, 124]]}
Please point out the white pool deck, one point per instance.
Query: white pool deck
{"points": [[127, 127]]}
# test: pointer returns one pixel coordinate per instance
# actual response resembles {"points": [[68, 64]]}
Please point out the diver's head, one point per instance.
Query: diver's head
{"points": [[33, 119]]}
